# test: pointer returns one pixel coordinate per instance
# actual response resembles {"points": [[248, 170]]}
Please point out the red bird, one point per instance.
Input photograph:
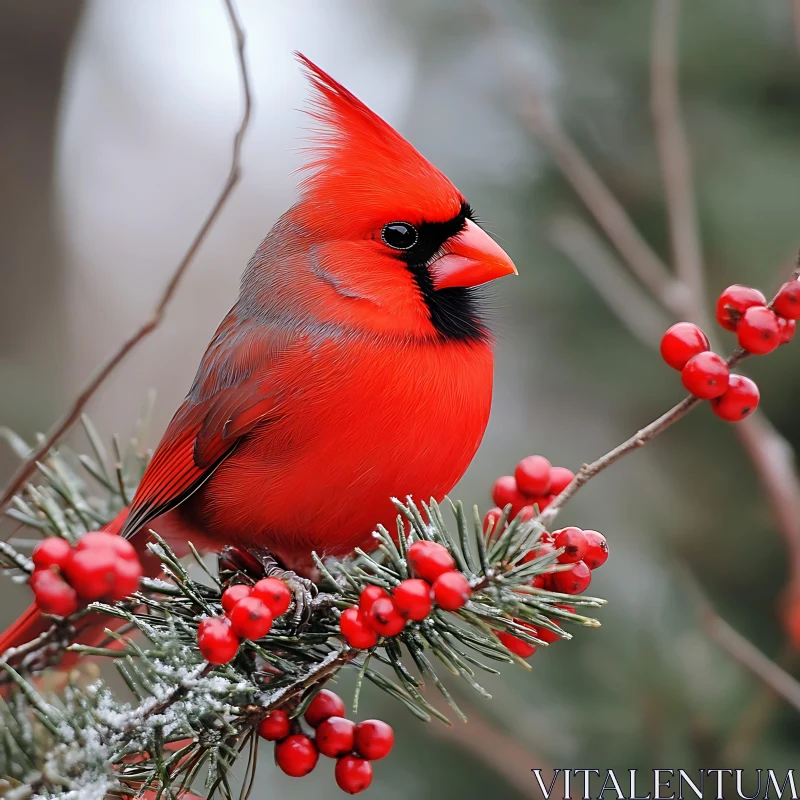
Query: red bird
{"points": [[355, 366]]}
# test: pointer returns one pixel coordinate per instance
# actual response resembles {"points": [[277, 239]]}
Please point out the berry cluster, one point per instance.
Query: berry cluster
{"points": [[579, 552], [101, 566], [382, 614], [249, 614], [354, 746], [760, 329], [534, 482]]}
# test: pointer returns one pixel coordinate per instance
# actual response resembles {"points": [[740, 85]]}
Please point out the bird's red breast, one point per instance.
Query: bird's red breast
{"points": [[355, 365]]}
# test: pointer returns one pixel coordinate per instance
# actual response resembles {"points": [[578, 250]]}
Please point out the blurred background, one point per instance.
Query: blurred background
{"points": [[115, 134]]}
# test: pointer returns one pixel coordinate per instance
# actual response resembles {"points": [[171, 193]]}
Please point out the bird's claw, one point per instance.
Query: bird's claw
{"points": [[303, 589]]}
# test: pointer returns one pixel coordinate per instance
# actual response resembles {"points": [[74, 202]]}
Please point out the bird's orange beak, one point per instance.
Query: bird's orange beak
{"points": [[472, 257]]}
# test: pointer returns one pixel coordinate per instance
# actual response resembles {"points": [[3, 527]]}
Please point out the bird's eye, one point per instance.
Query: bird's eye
{"points": [[399, 235]]}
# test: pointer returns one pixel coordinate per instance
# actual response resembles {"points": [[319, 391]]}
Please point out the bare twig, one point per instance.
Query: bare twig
{"points": [[769, 452], [796, 22], [675, 159], [27, 467], [744, 652], [641, 437], [606, 209], [501, 752], [633, 306], [756, 715]]}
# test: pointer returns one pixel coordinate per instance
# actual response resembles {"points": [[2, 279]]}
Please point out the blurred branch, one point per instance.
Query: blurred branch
{"points": [[597, 197], [633, 306], [667, 420], [796, 20], [27, 467], [675, 159], [755, 716], [500, 751], [769, 452], [749, 656]]}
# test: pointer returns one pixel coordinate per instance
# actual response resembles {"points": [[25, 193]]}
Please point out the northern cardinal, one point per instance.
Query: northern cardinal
{"points": [[356, 365]]}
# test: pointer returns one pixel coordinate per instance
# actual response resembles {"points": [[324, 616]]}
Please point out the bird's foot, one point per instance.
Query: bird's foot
{"points": [[303, 589]]}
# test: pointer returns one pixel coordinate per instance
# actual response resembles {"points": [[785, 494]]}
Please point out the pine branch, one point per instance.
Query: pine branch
{"points": [[90, 741]]}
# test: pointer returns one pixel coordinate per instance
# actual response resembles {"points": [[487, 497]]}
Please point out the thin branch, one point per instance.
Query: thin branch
{"points": [[796, 22], [501, 752], [773, 459], [606, 209], [640, 438], [633, 306], [769, 452], [675, 158], [749, 656], [28, 466], [539, 118], [756, 715]]}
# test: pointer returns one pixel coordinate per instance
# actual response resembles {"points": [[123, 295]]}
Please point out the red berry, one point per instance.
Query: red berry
{"points": [[296, 755], [515, 645], [374, 739], [275, 726], [92, 572], [356, 630], [546, 635], [597, 551], [353, 774], [533, 476], [538, 582], [788, 329], [369, 594], [451, 590], [53, 594], [274, 594], [505, 492], [705, 375], [233, 594], [491, 519], [758, 331], [250, 618], [573, 540], [787, 301], [542, 548], [412, 598], [527, 513], [573, 581], [560, 478], [95, 540], [429, 560], [739, 401], [682, 341], [217, 642], [325, 704], [734, 301], [335, 736], [51, 552], [384, 617], [127, 573]]}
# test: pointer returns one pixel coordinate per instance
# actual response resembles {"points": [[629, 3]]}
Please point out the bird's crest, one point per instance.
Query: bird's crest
{"points": [[358, 161]]}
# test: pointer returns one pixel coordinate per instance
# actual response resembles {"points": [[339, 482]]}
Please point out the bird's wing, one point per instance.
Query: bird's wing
{"points": [[236, 388]]}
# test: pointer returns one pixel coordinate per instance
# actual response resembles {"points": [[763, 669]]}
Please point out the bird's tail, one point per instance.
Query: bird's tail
{"points": [[32, 623]]}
